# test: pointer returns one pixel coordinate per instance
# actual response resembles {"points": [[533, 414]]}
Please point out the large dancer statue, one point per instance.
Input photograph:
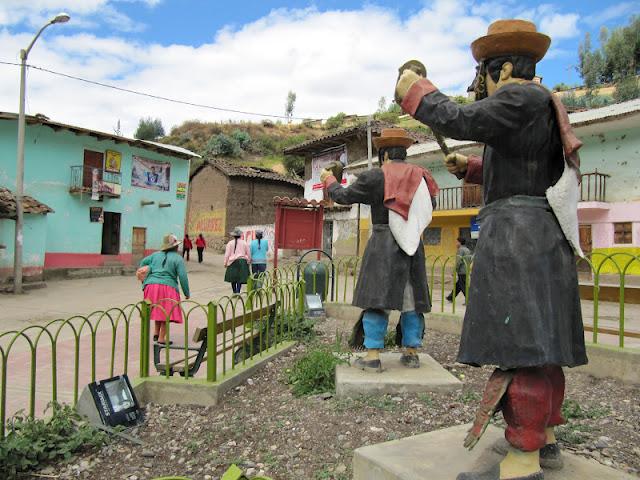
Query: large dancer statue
{"points": [[393, 274], [523, 313]]}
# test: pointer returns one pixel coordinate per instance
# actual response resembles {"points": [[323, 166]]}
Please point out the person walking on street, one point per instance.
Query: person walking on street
{"points": [[259, 248], [161, 271], [186, 246], [200, 246], [463, 260], [237, 257]]}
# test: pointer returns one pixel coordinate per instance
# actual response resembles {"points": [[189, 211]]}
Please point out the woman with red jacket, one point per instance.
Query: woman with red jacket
{"points": [[186, 246], [200, 246]]}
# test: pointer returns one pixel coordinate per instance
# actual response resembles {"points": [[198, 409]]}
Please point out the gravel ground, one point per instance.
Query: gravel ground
{"points": [[262, 427]]}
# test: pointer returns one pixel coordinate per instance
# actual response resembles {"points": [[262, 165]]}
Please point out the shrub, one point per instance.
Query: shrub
{"points": [[221, 145], [243, 138], [293, 164], [627, 89], [315, 372], [31, 442], [336, 121]]}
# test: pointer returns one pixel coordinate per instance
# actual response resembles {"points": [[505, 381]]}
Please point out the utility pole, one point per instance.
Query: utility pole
{"points": [[369, 147], [19, 239]]}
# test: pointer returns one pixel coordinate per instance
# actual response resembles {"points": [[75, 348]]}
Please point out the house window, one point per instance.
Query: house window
{"points": [[622, 232], [432, 236]]}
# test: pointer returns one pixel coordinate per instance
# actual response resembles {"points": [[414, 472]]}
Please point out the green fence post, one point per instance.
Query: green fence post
{"points": [[250, 288], [212, 342], [301, 291], [145, 319]]}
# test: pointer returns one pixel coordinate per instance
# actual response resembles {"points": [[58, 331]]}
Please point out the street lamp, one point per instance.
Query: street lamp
{"points": [[17, 259]]}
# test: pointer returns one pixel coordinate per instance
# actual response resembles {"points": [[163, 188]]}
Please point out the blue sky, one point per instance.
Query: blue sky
{"points": [[336, 55]]}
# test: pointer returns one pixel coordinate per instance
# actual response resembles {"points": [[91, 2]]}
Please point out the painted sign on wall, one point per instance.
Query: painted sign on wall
{"points": [[268, 233], [112, 161], [211, 222], [313, 186], [150, 174], [181, 190]]}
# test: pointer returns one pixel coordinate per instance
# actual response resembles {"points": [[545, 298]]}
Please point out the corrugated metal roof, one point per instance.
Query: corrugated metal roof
{"points": [[233, 170], [30, 204], [163, 148]]}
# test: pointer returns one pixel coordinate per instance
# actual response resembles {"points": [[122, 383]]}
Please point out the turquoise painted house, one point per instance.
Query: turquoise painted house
{"points": [[97, 199]]}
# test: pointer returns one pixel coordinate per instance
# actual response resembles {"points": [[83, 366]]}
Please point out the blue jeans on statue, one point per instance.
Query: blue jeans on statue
{"points": [[375, 324]]}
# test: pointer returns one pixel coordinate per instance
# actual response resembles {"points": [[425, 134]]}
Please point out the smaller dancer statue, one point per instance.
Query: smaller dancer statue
{"points": [[393, 274]]}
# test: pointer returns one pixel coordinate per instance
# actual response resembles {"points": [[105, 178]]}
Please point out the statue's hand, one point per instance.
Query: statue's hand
{"points": [[408, 78], [324, 174], [456, 163]]}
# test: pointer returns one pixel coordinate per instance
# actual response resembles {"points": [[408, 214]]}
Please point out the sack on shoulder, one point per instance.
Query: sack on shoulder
{"points": [[142, 273]]}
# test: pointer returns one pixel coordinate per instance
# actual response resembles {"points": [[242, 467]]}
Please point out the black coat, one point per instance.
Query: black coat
{"points": [[385, 268], [524, 304]]}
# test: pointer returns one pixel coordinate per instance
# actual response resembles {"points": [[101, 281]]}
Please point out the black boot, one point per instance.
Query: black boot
{"points": [[550, 455], [494, 474], [368, 365], [410, 360]]}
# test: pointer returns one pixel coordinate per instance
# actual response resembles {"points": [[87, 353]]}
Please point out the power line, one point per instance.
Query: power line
{"points": [[150, 95]]}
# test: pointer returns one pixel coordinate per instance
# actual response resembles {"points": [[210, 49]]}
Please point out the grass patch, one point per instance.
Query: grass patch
{"points": [[573, 410], [315, 371]]}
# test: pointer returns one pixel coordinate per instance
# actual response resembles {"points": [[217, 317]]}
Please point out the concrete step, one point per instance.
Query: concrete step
{"points": [[440, 455], [26, 286], [395, 379]]}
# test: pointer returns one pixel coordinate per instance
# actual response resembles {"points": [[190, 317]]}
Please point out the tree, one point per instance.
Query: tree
{"points": [[289, 105], [382, 105], [149, 129], [617, 58], [243, 138]]}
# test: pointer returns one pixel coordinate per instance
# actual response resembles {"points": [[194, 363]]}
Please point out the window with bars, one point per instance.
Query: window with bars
{"points": [[432, 236], [622, 232]]}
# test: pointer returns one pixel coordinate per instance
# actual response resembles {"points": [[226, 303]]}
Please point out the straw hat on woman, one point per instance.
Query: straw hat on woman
{"points": [[164, 269]]}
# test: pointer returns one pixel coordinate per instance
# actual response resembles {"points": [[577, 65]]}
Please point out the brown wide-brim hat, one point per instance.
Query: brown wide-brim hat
{"points": [[393, 137], [511, 37]]}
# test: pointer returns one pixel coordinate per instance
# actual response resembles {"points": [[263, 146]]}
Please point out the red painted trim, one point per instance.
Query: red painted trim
{"points": [[79, 260], [412, 99]]}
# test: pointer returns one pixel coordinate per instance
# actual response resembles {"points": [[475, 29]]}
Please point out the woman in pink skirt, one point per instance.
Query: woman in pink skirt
{"points": [[160, 285]]}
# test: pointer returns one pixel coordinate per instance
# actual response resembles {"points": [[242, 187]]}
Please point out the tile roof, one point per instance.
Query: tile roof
{"points": [[235, 170], [8, 204], [338, 137]]}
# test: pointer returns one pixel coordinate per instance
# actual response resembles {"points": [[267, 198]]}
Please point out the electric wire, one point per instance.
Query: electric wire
{"points": [[156, 97]]}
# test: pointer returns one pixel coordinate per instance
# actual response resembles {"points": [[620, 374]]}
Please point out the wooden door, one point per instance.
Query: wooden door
{"points": [[91, 160], [138, 244], [586, 245], [585, 239], [111, 234]]}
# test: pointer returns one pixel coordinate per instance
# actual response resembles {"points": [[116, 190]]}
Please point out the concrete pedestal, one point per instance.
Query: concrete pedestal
{"points": [[395, 378], [440, 455]]}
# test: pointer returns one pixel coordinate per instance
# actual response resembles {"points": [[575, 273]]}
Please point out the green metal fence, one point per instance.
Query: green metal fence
{"points": [[606, 280], [74, 351]]}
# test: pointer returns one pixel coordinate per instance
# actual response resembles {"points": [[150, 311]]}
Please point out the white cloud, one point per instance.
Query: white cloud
{"points": [[333, 60], [559, 26], [622, 9]]}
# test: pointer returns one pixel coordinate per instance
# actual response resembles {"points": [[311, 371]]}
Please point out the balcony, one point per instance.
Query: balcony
{"points": [[86, 179], [458, 198], [594, 187]]}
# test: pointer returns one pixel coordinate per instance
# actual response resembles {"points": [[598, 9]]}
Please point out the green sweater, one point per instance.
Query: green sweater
{"points": [[169, 274]]}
